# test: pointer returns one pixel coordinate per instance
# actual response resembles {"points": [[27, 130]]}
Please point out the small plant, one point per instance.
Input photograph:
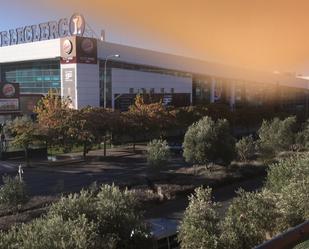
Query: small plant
{"points": [[158, 153], [13, 192], [245, 148]]}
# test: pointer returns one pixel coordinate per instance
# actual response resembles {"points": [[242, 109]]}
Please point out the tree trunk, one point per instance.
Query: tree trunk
{"points": [[85, 150], [134, 143], [27, 157], [104, 148]]}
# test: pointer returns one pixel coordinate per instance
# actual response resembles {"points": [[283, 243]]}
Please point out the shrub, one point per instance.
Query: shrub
{"points": [[52, 233], [157, 153], [207, 140], [116, 213], [286, 171], [199, 228], [245, 148], [302, 137], [289, 179], [293, 204], [13, 192], [250, 217], [277, 135]]}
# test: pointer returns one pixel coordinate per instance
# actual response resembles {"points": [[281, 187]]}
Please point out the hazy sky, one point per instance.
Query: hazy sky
{"points": [[264, 34]]}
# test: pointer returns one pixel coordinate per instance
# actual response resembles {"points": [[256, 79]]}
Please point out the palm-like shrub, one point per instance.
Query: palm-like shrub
{"points": [[207, 141], [158, 153]]}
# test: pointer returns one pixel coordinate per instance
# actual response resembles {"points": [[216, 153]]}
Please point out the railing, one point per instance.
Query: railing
{"points": [[288, 239]]}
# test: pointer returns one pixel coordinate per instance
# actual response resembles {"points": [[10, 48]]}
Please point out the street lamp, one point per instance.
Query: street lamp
{"points": [[104, 87]]}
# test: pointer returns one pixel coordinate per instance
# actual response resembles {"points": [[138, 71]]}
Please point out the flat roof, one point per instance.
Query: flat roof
{"points": [[50, 49]]}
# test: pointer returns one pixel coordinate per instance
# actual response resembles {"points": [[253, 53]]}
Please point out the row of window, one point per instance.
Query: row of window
{"points": [[151, 90], [33, 77]]}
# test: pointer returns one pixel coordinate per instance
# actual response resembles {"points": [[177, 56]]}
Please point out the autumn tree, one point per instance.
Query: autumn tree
{"points": [[24, 132], [53, 114]]}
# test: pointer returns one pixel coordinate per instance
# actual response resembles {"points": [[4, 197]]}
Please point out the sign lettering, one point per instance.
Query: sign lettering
{"points": [[44, 31]]}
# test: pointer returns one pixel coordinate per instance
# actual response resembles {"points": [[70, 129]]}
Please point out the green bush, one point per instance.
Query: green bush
{"points": [[277, 135], [199, 228], [52, 233], [286, 171], [245, 148], [207, 140], [289, 179], [302, 137], [293, 204], [158, 153], [116, 213], [250, 217], [13, 192]]}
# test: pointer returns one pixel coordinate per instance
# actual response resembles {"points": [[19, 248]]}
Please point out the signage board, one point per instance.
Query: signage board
{"points": [[78, 49], [44, 31], [9, 96], [69, 84]]}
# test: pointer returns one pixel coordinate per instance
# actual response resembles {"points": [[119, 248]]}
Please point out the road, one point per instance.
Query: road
{"points": [[174, 209], [122, 168]]}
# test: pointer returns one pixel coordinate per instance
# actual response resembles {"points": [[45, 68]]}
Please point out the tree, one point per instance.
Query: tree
{"points": [[53, 114], [250, 220], [136, 120], [245, 148], [157, 153], [24, 132], [207, 140], [52, 233], [97, 123], [116, 213], [277, 135], [200, 225]]}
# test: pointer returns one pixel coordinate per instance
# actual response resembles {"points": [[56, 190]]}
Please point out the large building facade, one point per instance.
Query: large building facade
{"points": [[57, 55]]}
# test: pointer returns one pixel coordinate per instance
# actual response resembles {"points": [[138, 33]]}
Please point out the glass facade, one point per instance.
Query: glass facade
{"points": [[201, 90], [33, 77]]}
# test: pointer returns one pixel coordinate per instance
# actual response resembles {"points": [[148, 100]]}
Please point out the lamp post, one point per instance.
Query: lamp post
{"points": [[104, 87]]}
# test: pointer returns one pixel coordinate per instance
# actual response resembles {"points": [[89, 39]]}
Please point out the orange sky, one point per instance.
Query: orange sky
{"points": [[265, 34]]}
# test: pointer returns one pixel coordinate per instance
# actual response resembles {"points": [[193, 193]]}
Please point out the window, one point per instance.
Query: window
{"points": [[162, 90], [131, 90], [33, 77], [152, 90], [172, 90]]}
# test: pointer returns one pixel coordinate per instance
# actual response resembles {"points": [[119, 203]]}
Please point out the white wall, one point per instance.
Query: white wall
{"points": [[123, 80], [87, 85], [30, 51]]}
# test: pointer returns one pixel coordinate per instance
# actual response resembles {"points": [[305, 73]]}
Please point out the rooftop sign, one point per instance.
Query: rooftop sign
{"points": [[44, 31]]}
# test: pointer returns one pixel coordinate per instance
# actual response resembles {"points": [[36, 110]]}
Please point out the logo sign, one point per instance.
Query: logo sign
{"points": [[8, 90], [87, 45], [9, 96], [67, 46], [44, 31], [77, 25], [78, 49]]}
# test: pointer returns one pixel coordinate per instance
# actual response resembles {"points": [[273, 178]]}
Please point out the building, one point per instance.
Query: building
{"points": [[59, 55]]}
